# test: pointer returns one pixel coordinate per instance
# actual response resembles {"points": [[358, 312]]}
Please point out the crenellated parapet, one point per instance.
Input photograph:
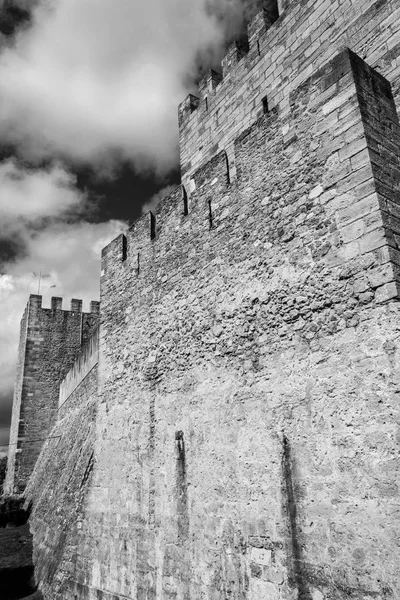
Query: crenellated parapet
{"points": [[260, 72], [200, 118], [340, 163], [56, 304]]}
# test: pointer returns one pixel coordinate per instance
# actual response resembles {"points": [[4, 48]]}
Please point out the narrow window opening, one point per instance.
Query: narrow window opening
{"points": [[228, 175], [124, 247], [185, 202], [206, 103], [138, 263], [258, 47], [265, 105], [210, 215], [152, 226]]}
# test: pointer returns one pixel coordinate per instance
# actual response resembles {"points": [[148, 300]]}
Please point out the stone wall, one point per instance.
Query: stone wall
{"points": [[85, 362], [280, 57], [16, 563], [58, 487], [245, 437], [50, 340], [246, 428]]}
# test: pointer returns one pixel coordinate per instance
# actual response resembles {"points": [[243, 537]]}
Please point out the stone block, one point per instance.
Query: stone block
{"points": [[261, 556], [372, 240], [386, 292], [263, 589]]}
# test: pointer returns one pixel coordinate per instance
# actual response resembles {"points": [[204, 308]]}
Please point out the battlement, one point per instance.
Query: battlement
{"points": [[241, 53], [345, 89], [36, 301], [260, 72], [264, 13]]}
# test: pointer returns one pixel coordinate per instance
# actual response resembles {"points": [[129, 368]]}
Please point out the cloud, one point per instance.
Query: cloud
{"points": [[156, 198], [68, 256], [33, 194], [95, 81], [88, 82], [43, 208]]}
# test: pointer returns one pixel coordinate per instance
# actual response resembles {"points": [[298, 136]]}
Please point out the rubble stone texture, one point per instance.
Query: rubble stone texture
{"points": [[239, 436]]}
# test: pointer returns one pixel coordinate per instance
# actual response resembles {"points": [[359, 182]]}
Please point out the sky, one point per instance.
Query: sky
{"points": [[89, 135]]}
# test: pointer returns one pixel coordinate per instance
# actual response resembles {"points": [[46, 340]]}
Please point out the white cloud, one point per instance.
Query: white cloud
{"points": [[97, 80], [88, 82], [34, 194], [66, 253], [156, 199], [69, 260]]}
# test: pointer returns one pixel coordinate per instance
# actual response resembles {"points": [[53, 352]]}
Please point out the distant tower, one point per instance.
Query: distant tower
{"points": [[49, 342]]}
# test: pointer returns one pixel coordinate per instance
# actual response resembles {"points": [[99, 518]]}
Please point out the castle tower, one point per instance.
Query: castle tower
{"points": [[50, 339]]}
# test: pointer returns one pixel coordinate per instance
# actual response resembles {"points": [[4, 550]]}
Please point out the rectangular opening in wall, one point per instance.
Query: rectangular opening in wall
{"points": [[265, 105], [124, 247], [152, 226], [185, 202], [138, 263], [210, 215], [228, 173]]}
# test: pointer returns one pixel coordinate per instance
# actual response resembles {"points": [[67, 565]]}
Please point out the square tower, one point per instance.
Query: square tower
{"points": [[50, 339]]}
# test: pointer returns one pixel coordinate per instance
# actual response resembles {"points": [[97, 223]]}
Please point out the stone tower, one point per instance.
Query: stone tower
{"points": [[49, 342]]}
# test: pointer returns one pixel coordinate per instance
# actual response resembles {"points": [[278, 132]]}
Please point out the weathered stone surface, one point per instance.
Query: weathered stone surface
{"points": [[245, 436], [58, 487], [16, 562]]}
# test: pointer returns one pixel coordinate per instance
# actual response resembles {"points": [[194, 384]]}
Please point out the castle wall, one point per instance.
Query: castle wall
{"points": [[281, 56], [50, 341], [246, 428], [245, 438], [58, 487], [86, 360]]}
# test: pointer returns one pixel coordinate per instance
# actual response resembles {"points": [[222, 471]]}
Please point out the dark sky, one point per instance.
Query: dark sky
{"points": [[119, 196], [123, 196]]}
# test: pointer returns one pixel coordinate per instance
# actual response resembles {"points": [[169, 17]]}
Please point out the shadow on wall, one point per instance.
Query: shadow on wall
{"points": [[297, 577], [16, 565]]}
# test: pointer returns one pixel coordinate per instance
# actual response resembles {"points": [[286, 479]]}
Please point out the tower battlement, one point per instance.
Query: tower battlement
{"points": [[56, 303], [344, 177], [50, 339], [261, 74]]}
